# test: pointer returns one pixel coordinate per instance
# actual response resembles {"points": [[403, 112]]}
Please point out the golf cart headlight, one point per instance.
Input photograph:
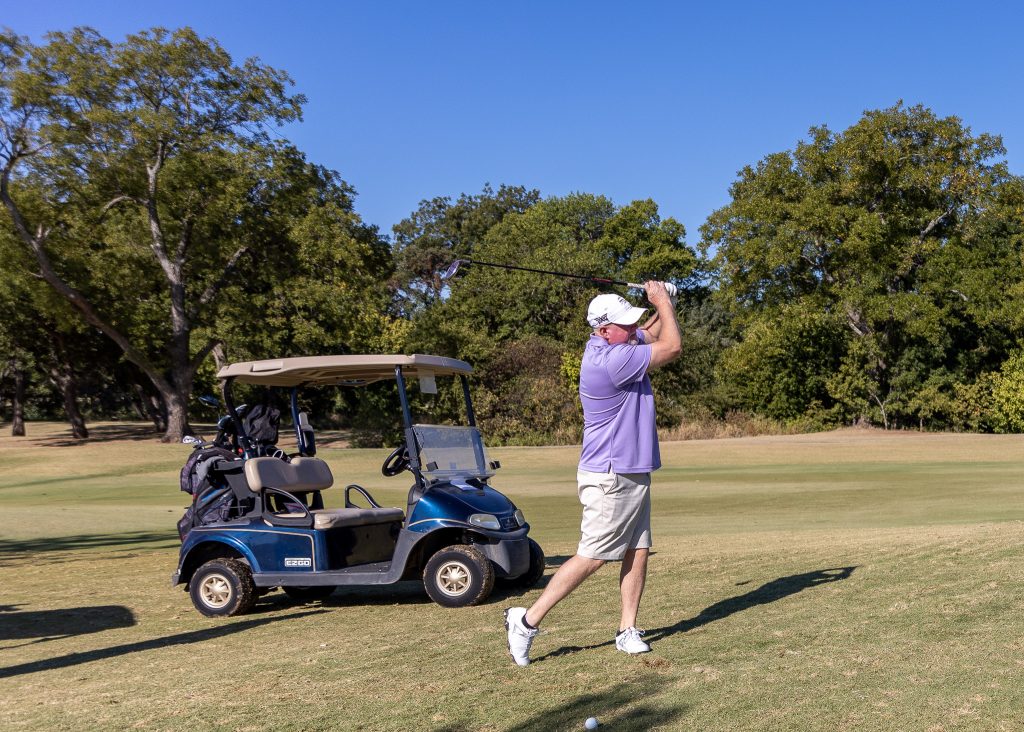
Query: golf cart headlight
{"points": [[485, 521], [520, 519]]}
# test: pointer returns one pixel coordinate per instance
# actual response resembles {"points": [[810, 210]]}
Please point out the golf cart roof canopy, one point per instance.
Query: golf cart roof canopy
{"points": [[340, 370]]}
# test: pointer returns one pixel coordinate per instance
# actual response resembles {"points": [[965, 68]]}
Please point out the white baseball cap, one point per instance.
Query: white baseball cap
{"points": [[611, 308]]}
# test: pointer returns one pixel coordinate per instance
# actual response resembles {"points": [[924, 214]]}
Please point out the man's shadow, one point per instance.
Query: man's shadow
{"points": [[766, 593]]}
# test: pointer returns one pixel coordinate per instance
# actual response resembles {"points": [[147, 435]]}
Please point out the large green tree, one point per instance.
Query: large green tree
{"points": [[168, 214], [441, 231], [43, 336], [842, 261]]}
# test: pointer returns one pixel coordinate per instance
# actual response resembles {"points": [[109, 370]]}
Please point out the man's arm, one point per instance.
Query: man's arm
{"points": [[662, 330], [652, 328]]}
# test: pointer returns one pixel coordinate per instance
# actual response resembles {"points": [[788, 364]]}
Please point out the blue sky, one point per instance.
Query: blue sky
{"points": [[662, 100]]}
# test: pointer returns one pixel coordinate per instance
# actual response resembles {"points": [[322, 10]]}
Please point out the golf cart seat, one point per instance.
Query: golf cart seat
{"points": [[306, 475]]}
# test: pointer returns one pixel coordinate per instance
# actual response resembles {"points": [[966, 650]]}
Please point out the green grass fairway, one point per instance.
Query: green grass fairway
{"points": [[854, 580]]}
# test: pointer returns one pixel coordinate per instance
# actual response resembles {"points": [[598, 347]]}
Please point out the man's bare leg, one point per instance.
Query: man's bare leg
{"points": [[568, 577], [632, 578]]}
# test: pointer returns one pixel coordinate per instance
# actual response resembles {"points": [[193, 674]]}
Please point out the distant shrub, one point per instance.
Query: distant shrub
{"points": [[704, 425], [1008, 395]]}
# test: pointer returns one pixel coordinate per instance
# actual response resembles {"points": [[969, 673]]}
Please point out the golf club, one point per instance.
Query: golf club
{"points": [[454, 267]]}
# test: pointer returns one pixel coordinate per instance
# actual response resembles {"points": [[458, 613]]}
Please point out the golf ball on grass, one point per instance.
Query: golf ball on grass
{"points": [[591, 723]]}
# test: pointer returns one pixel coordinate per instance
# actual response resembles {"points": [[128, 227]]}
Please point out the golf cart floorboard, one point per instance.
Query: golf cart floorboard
{"points": [[375, 573]]}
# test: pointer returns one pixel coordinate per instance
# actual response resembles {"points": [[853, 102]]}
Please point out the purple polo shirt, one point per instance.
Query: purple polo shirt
{"points": [[619, 434]]}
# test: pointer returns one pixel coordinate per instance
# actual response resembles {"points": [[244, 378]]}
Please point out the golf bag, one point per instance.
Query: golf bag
{"points": [[212, 498], [261, 423]]}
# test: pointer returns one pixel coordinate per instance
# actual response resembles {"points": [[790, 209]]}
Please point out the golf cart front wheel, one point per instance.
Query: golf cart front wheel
{"points": [[458, 576], [222, 587]]}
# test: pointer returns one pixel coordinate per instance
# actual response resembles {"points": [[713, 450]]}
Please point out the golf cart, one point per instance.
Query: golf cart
{"points": [[456, 533]]}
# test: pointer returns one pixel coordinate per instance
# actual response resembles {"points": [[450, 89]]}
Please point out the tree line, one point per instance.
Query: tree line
{"points": [[156, 226]]}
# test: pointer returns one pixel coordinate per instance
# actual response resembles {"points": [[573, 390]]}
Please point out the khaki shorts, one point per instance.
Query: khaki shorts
{"points": [[616, 513]]}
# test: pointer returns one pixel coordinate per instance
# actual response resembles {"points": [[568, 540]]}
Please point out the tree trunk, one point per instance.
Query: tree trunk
{"points": [[149, 407], [177, 417], [18, 402], [62, 375], [64, 379], [136, 401]]}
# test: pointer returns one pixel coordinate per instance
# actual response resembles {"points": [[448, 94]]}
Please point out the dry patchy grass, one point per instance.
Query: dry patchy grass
{"points": [[841, 581]]}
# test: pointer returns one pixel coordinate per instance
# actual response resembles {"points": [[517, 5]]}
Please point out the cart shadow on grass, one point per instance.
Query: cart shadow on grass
{"points": [[769, 592], [152, 644], [503, 593], [408, 592], [39, 626], [10, 548], [405, 593]]}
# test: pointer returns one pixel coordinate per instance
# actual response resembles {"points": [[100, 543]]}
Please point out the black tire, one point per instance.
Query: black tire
{"points": [[222, 587], [458, 576], [310, 593], [532, 575]]}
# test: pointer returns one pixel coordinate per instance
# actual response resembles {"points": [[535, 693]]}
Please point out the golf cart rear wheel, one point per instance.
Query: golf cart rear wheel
{"points": [[532, 575], [309, 593], [222, 587], [458, 576]]}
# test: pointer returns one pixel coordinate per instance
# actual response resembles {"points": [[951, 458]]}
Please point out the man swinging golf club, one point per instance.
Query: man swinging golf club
{"points": [[620, 450]]}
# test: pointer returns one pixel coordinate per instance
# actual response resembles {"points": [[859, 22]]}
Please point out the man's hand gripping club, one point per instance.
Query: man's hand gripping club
{"points": [[662, 330]]}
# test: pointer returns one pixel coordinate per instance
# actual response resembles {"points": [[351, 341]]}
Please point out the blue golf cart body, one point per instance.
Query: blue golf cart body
{"points": [[456, 533]]}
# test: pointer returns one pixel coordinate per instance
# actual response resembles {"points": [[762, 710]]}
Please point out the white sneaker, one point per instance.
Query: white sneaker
{"points": [[520, 638], [628, 640]]}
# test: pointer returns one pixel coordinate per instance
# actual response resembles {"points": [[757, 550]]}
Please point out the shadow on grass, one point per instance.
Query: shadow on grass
{"points": [[195, 636], [615, 708], [61, 480], [83, 541], [557, 560], [104, 433], [504, 591], [62, 623], [766, 593], [399, 593]]}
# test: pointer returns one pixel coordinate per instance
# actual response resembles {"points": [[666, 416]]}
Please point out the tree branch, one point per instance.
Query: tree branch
{"points": [[855, 321], [155, 228], [119, 199], [935, 222], [198, 359], [229, 268], [184, 240]]}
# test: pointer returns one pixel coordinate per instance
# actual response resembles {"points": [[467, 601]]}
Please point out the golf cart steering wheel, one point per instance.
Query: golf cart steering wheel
{"points": [[396, 462]]}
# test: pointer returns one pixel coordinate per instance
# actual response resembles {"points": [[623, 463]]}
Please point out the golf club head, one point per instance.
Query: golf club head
{"points": [[452, 269]]}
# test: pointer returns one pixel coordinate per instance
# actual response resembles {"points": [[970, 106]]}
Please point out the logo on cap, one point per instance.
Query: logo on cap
{"points": [[611, 308]]}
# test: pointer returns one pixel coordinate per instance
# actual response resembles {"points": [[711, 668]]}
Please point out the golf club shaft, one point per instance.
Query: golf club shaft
{"points": [[598, 280]]}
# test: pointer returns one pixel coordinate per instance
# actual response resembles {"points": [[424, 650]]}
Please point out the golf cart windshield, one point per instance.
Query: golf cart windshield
{"points": [[448, 452]]}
